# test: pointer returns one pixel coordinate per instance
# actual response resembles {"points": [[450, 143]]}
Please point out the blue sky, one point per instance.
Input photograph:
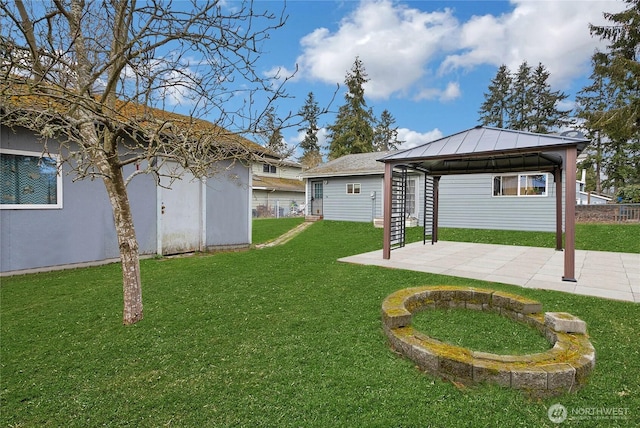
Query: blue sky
{"points": [[429, 62]]}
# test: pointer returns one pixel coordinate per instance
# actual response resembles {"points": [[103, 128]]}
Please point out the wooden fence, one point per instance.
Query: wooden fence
{"points": [[608, 213]]}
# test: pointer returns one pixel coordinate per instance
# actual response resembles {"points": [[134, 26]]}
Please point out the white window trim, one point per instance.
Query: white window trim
{"points": [[353, 187], [416, 196], [38, 155], [519, 175]]}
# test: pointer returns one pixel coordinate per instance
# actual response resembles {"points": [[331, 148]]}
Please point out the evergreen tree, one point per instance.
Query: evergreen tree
{"points": [[591, 101], [272, 134], [310, 147], [385, 136], [495, 109], [622, 66], [352, 131], [521, 99], [545, 115], [619, 120]]}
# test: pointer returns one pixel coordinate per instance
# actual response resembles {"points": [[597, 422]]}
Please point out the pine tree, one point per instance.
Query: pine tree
{"points": [[619, 122], [352, 131], [495, 109], [521, 99], [385, 136], [272, 134], [310, 112], [591, 101], [622, 66], [545, 115]]}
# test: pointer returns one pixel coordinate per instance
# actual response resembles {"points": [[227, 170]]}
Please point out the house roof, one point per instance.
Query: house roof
{"points": [[487, 149], [20, 98], [355, 164], [273, 183]]}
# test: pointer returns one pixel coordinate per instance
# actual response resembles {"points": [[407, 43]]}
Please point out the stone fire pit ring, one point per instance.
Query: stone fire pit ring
{"points": [[563, 368]]}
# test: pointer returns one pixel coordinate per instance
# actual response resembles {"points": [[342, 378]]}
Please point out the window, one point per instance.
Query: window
{"points": [[29, 180], [353, 188], [269, 168], [411, 198], [317, 190], [520, 185]]}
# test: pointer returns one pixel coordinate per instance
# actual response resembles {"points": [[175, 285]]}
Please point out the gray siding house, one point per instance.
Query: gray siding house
{"points": [[278, 189], [351, 188], [49, 221]]}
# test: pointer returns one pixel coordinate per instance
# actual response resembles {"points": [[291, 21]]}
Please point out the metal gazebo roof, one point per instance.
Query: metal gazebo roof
{"points": [[486, 149]]}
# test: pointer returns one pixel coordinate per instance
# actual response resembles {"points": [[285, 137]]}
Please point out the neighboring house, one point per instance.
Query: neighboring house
{"points": [[588, 198], [48, 220], [278, 189], [351, 188]]}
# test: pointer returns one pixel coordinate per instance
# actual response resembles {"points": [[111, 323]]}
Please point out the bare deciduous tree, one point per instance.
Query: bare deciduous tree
{"points": [[103, 79]]}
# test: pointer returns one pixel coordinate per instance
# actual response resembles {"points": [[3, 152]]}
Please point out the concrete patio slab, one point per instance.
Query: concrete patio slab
{"points": [[598, 273]]}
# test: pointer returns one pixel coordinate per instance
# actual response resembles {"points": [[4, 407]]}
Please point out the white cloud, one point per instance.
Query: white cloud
{"points": [[413, 138], [393, 41], [555, 33], [401, 45], [451, 92]]}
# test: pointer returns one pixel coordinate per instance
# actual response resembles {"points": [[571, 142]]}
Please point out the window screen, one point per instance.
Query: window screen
{"points": [[29, 181]]}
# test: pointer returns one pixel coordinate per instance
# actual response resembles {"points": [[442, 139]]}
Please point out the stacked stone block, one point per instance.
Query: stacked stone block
{"points": [[563, 368]]}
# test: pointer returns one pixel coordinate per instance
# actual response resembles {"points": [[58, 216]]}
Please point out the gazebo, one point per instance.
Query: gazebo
{"points": [[483, 150]]}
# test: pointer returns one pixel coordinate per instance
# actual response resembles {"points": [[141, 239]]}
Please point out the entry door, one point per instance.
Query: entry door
{"points": [[316, 197], [180, 216]]}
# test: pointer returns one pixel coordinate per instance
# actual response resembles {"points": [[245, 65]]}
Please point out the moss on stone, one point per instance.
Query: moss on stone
{"points": [[561, 369]]}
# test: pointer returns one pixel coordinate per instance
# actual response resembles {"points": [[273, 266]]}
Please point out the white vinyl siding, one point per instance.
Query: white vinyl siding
{"points": [[338, 205], [467, 201]]}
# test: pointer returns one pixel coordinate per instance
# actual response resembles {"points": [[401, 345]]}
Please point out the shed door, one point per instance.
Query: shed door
{"points": [[316, 197], [180, 217]]}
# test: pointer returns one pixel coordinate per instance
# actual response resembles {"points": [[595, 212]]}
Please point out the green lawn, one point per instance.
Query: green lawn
{"points": [[267, 229], [278, 337], [600, 237]]}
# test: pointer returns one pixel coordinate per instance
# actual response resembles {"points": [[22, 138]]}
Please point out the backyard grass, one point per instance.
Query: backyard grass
{"points": [[622, 238], [480, 331], [278, 337], [267, 229]]}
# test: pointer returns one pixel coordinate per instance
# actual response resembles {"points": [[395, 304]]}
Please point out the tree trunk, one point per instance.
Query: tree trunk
{"points": [[127, 242]]}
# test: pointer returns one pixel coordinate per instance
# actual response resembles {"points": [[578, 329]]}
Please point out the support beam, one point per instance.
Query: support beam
{"points": [[557, 177], [386, 212], [570, 215], [436, 198]]}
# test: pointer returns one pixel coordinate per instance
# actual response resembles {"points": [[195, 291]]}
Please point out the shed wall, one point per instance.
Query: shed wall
{"points": [[81, 231], [228, 207]]}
